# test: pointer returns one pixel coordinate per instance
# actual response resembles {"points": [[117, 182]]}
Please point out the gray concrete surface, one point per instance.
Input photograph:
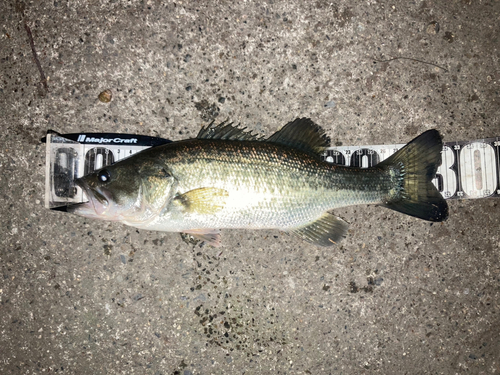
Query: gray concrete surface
{"points": [[398, 296]]}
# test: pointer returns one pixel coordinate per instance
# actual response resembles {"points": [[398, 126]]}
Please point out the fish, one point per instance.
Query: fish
{"points": [[228, 178]]}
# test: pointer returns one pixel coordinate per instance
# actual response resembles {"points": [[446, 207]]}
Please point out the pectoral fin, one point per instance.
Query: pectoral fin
{"points": [[210, 236], [325, 231], [203, 200]]}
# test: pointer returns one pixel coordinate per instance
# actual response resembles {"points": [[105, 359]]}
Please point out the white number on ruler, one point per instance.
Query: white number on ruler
{"points": [[448, 175], [478, 171]]}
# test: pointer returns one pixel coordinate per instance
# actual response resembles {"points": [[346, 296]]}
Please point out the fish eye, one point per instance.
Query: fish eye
{"points": [[104, 176]]}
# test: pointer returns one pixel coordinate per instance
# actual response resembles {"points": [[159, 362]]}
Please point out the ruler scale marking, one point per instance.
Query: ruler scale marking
{"points": [[461, 174]]}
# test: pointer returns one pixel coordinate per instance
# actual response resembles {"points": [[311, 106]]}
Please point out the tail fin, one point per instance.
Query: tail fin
{"points": [[416, 166]]}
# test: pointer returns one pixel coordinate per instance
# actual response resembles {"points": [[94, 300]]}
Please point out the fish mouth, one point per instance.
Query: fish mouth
{"points": [[70, 208], [96, 204], [86, 209]]}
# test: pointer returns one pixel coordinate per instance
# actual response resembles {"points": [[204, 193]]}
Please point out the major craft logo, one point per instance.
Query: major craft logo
{"points": [[82, 138]]}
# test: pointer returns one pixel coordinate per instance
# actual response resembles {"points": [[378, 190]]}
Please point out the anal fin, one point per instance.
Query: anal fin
{"points": [[328, 230]]}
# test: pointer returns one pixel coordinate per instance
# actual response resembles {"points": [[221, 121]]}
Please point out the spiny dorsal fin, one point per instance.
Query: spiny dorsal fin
{"points": [[303, 134], [226, 131], [328, 230]]}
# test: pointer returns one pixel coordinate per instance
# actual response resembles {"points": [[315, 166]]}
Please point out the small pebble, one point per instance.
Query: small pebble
{"points": [[433, 28], [105, 96]]}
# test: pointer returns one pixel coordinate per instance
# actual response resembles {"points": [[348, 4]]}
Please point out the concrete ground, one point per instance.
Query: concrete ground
{"points": [[398, 296]]}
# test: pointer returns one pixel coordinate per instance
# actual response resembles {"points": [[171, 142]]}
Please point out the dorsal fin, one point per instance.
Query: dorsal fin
{"points": [[303, 134], [226, 131]]}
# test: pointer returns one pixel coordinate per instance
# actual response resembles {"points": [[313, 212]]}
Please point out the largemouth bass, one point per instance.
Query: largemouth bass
{"points": [[227, 177]]}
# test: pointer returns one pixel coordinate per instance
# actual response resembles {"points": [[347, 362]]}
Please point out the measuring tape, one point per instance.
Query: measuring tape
{"points": [[469, 169]]}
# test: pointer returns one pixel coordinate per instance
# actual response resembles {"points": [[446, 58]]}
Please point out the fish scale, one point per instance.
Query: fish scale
{"points": [[288, 187]]}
